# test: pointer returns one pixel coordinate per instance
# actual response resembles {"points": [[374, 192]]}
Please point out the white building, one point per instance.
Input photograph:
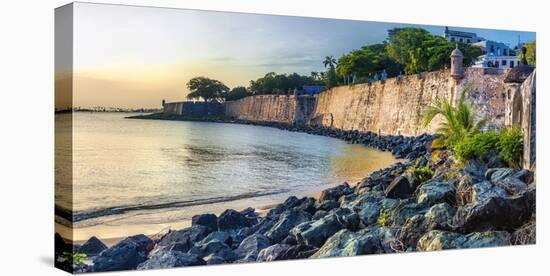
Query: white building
{"points": [[463, 37]]}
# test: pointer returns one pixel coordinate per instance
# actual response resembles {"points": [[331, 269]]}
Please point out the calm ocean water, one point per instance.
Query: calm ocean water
{"points": [[142, 175]]}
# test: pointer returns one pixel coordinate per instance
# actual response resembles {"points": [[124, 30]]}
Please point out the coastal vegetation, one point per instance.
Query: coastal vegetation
{"points": [[531, 52], [462, 131]]}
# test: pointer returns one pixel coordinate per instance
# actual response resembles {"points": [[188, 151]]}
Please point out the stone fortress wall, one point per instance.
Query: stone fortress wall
{"points": [[392, 107]]}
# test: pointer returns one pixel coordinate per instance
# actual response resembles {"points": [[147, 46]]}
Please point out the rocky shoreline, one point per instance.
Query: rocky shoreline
{"points": [[393, 210]]}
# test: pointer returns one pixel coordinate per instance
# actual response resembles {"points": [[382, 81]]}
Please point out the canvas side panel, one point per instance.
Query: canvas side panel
{"points": [[63, 135]]}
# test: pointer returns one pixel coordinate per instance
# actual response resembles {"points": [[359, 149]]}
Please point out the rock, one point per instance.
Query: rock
{"points": [[526, 176], [487, 239], [405, 210], [125, 255], [347, 243], [370, 211], [494, 213], [300, 251], [439, 216], [261, 227], [224, 237], [319, 214], [286, 221], [400, 187], [171, 259], [315, 233], [60, 245], [439, 240], [389, 238], [214, 247], [182, 240], [290, 202], [307, 204], [512, 185], [433, 192], [213, 259], [336, 192], [207, 220], [251, 246], [411, 231], [497, 174], [92, 247], [272, 253], [484, 190], [328, 205], [379, 180], [231, 219]]}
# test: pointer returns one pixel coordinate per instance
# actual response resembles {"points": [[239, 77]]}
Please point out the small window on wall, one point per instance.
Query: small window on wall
{"points": [[497, 64], [452, 39], [511, 64], [504, 63], [467, 40], [461, 40]]}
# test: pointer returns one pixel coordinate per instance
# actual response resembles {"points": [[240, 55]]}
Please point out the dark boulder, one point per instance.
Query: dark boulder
{"points": [[125, 255], [213, 259], [336, 192], [214, 247], [250, 247], [207, 220], [494, 213], [272, 253], [347, 243], [315, 233], [440, 216], [328, 205], [287, 221], [231, 219], [400, 187], [439, 240], [171, 259], [432, 192], [299, 251], [92, 247], [182, 240]]}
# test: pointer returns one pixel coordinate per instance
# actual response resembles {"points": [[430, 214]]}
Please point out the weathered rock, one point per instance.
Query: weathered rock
{"points": [[328, 205], [400, 187], [125, 255], [92, 247], [433, 192], [213, 259], [494, 213], [297, 252], [290, 202], [182, 240], [484, 190], [336, 192], [207, 220], [250, 247], [347, 243], [214, 247], [272, 253], [224, 237], [512, 185], [379, 180], [319, 214], [440, 216], [171, 259], [316, 232], [497, 174], [231, 219], [439, 240], [405, 210], [287, 221], [487, 239], [370, 210], [411, 231]]}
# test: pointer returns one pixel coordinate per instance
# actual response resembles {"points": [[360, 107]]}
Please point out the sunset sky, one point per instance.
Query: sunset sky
{"points": [[126, 56]]}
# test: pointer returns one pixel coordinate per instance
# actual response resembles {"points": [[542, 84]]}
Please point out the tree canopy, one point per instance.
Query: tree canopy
{"points": [[273, 83], [206, 89], [530, 55], [236, 93]]}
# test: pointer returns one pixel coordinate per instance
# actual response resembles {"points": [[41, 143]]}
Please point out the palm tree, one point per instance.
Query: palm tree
{"points": [[459, 121], [329, 61]]}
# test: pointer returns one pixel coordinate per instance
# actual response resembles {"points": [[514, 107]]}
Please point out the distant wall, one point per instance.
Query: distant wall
{"points": [[194, 108], [394, 106]]}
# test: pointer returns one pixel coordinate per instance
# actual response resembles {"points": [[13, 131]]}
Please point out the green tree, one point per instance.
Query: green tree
{"points": [[459, 120], [418, 51], [273, 83], [207, 89], [331, 77], [236, 93], [531, 54]]}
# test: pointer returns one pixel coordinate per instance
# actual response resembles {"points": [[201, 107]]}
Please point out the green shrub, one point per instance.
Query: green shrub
{"points": [[475, 146], [422, 173], [510, 146], [383, 219], [76, 259]]}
